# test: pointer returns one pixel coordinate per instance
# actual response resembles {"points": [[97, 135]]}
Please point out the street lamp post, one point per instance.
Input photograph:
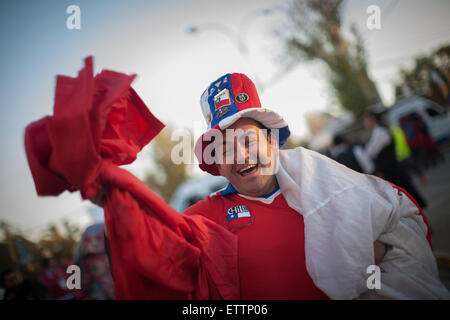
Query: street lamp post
{"points": [[239, 40], [233, 36]]}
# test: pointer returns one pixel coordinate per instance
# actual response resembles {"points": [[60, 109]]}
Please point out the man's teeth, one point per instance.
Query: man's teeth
{"points": [[247, 167]]}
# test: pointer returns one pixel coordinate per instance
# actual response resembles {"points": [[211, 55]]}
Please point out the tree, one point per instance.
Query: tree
{"points": [[429, 77], [166, 176], [315, 33], [72, 231], [58, 245], [17, 249]]}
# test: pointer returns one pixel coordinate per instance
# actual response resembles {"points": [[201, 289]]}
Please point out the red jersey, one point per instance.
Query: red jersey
{"points": [[271, 244]]}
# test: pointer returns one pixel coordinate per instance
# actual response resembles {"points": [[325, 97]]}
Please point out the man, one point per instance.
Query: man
{"points": [[270, 233], [381, 149], [318, 231], [302, 220], [403, 154], [299, 215], [353, 157]]}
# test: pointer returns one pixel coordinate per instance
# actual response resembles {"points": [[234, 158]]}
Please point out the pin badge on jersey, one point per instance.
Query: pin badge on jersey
{"points": [[239, 216]]}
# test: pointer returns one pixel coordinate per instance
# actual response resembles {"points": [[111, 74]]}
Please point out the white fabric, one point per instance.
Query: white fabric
{"points": [[364, 160], [379, 139], [267, 117], [344, 213]]}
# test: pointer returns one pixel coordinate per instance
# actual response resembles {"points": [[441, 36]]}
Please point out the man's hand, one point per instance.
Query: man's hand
{"points": [[379, 249]]}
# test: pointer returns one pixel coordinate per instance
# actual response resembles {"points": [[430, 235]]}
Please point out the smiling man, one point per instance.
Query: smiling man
{"points": [[270, 234], [242, 145], [307, 227], [247, 153]]}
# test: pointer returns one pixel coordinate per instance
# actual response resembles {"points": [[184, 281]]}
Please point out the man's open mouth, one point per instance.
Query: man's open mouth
{"points": [[248, 169]]}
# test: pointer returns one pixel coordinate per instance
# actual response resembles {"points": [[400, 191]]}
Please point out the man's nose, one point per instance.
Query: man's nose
{"points": [[245, 154], [240, 154]]}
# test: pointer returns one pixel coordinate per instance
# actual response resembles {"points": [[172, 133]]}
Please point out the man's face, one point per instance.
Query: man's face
{"points": [[248, 158]]}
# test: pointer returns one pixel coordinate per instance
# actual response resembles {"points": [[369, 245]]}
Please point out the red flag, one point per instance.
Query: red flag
{"points": [[98, 124]]}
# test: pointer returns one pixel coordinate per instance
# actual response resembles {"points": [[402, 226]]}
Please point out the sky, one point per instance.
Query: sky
{"points": [[173, 67]]}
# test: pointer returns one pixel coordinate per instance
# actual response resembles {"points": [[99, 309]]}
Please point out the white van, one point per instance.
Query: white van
{"points": [[435, 116]]}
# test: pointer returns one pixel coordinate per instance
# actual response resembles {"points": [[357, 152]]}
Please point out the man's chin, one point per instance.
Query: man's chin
{"points": [[250, 187]]}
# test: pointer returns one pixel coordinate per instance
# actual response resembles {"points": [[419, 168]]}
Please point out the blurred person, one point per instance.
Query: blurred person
{"points": [[381, 149], [403, 154], [414, 140], [96, 280], [54, 278], [432, 154], [353, 157], [424, 149], [18, 288]]}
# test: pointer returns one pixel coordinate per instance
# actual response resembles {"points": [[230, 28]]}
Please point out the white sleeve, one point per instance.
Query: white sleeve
{"points": [[364, 159], [339, 243], [380, 138]]}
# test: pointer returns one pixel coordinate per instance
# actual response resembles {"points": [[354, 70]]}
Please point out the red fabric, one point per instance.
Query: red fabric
{"points": [[54, 279], [271, 246], [240, 83], [99, 123]]}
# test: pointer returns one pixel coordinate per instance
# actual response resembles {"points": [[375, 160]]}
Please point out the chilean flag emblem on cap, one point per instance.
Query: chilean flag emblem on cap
{"points": [[222, 99], [219, 99]]}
